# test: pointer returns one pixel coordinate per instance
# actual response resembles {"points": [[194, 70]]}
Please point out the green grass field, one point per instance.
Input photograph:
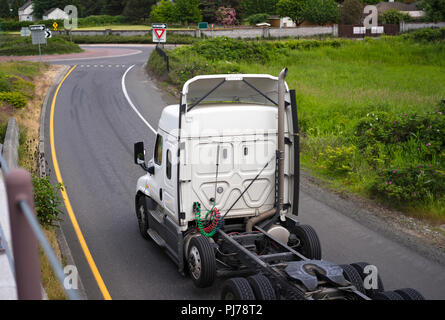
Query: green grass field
{"points": [[15, 45], [370, 111]]}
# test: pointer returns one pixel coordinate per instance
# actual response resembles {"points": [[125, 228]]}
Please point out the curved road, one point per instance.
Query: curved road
{"points": [[94, 130]]}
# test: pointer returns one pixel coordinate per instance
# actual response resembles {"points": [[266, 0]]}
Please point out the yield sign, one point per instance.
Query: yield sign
{"points": [[159, 33]]}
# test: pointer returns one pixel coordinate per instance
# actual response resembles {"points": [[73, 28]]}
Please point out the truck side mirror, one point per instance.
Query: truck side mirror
{"points": [[139, 153]]}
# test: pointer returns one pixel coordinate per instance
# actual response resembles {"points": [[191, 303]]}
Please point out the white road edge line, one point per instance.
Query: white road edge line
{"points": [[124, 89]]}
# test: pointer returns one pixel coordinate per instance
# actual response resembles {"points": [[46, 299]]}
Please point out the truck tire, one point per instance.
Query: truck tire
{"points": [[142, 215], [237, 289], [201, 262], [262, 287], [387, 295], [352, 275], [310, 246], [410, 294], [360, 267]]}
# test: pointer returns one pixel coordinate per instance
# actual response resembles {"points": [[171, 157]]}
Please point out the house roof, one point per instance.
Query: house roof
{"points": [[47, 12], [400, 6], [26, 5]]}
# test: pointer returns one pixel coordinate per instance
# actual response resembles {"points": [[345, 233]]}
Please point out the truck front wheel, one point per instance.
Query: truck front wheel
{"points": [[142, 215], [201, 262]]}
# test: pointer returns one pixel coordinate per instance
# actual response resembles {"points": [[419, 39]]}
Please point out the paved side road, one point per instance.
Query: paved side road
{"points": [[95, 128]]}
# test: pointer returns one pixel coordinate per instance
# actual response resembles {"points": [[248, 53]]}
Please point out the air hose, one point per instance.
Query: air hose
{"points": [[214, 218]]}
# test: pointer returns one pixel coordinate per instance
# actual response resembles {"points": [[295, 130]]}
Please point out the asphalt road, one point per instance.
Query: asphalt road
{"points": [[95, 128]]}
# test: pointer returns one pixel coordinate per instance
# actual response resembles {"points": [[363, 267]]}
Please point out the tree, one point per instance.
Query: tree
{"points": [[351, 12], [293, 9], [137, 10], [188, 11], [15, 5], [250, 7], [164, 11], [4, 9], [321, 11], [114, 7], [434, 9]]}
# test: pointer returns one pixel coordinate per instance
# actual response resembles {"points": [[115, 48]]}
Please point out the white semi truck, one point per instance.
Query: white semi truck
{"points": [[221, 194]]}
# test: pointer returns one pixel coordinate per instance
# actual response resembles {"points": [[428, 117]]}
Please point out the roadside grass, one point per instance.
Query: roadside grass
{"points": [[15, 45], [31, 80], [339, 89], [115, 38]]}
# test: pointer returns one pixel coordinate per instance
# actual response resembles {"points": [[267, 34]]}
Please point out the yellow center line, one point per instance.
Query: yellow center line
{"points": [[66, 200]]}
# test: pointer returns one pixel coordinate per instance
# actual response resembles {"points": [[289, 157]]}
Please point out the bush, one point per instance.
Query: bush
{"points": [[413, 183], [16, 99], [257, 18], [22, 46], [393, 16], [5, 84], [46, 201], [426, 35], [338, 160]]}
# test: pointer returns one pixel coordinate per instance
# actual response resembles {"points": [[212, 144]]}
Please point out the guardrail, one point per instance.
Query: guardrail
{"points": [[25, 232], [163, 55]]}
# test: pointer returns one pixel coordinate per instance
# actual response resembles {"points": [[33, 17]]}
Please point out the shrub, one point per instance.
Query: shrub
{"points": [[393, 16], [426, 35], [5, 84], [422, 182], [257, 18], [16, 99], [226, 16], [46, 201], [338, 160]]}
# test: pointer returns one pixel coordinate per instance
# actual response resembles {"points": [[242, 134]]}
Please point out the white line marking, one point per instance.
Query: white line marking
{"points": [[124, 89]]}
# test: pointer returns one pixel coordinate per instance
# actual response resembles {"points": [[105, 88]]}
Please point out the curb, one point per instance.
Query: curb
{"points": [[11, 143], [61, 239]]}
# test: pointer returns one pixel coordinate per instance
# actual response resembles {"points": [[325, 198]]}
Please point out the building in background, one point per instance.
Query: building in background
{"points": [[54, 14], [26, 12]]}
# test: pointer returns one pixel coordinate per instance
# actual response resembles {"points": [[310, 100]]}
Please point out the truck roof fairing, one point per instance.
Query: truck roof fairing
{"points": [[235, 88]]}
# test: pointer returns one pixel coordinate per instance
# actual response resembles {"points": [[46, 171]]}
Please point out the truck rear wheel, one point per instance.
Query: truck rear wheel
{"points": [[410, 294], [387, 295], [237, 289], [201, 262], [262, 288], [360, 267], [353, 276], [309, 245], [142, 215]]}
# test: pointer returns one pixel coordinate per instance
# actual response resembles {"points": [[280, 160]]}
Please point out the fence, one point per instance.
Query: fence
{"points": [[25, 232], [359, 31], [164, 56]]}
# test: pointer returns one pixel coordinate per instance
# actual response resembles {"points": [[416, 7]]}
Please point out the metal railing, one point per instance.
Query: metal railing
{"points": [[163, 55], [25, 232]]}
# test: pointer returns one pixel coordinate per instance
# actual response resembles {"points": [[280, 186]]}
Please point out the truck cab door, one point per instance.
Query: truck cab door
{"points": [[157, 179]]}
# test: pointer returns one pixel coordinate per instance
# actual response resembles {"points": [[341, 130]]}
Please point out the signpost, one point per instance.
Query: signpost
{"points": [[25, 32], [48, 34], [159, 32], [38, 35]]}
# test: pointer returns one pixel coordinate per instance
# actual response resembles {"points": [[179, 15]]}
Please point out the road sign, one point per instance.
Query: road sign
{"points": [[203, 25], [38, 37], [25, 32], [37, 27], [55, 26], [48, 33], [159, 32]]}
